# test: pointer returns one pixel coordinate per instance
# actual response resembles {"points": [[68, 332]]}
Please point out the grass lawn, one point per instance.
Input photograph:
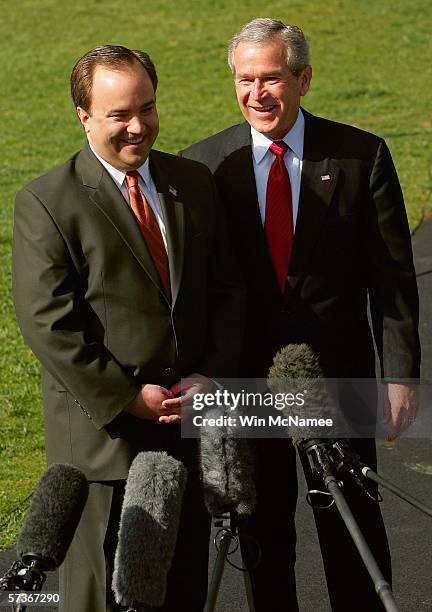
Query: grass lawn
{"points": [[372, 69]]}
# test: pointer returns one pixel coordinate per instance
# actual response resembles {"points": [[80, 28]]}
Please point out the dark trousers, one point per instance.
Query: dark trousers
{"points": [[85, 576], [272, 524]]}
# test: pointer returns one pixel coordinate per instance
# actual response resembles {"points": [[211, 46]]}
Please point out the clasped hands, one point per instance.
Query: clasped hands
{"points": [[153, 402], [163, 405]]}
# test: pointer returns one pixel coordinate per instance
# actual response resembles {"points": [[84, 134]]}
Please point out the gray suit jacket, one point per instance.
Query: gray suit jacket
{"points": [[91, 306]]}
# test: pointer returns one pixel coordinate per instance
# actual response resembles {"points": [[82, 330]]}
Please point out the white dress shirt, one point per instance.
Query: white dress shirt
{"points": [[263, 159], [145, 183]]}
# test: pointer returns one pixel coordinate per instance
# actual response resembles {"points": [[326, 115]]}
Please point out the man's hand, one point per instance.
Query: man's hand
{"points": [[401, 404], [187, 387], [148, 403]]}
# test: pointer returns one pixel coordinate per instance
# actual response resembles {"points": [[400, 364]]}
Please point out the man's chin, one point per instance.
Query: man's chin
{"points": [[264, 128], [270, 129], [134, 161]]}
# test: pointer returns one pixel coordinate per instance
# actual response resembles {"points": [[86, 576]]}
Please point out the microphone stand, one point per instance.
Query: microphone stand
{"points": [[347, 460], [320, 463], [369, 473], [228, 532], [23, 577]]}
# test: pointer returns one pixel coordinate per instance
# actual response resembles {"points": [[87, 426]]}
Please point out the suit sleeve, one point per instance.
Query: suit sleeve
{"points": [[392, 282], [54, 318]]}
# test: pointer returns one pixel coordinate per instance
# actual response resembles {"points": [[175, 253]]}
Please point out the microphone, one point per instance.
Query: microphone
{"points": [[148, 529], [53, 516], [49, 526], [297, 369], [299, 362], [227, 468]]}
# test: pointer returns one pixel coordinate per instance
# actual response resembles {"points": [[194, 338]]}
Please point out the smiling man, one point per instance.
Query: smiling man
{"points": [[316, 215], [123, 285]]}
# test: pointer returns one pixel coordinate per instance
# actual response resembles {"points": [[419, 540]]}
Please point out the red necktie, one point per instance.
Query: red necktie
{"points": [[150, 229], [278, 225]]}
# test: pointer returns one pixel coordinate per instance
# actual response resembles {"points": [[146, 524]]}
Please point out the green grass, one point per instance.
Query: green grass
{"points": [[371, 65]]}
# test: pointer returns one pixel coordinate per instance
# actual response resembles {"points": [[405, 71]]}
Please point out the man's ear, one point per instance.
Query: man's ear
{"points": [[305, 80], [83, 116]]}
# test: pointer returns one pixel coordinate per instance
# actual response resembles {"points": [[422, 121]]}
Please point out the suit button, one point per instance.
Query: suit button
{"points": [[168, 371]]}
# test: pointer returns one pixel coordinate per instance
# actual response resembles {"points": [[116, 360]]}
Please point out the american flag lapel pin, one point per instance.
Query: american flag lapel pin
{"points": [[325, 177], [173, 191]]}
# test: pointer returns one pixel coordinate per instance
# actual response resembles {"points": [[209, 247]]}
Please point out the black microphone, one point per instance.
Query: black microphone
{"points": [[148, 529], [53, 516], [297, 371], [227, 468], [49, 526]]}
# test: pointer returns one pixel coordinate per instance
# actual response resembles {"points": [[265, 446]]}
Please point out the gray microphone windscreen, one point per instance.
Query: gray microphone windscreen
{"points": [[148, 529], [53, 515], [297, 371], [295, 361], [227, 468]]}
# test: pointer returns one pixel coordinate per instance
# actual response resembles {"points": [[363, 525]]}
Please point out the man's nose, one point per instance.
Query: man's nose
{"points": [[135, 125], [258, 89]]}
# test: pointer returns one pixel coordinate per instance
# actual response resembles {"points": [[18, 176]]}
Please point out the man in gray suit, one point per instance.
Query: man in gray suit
{"points": [[123, 285], [316, 215]]}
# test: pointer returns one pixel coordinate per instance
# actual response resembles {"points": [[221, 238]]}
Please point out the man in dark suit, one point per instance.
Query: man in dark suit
{"points": [[123, 285], [319, 226]]}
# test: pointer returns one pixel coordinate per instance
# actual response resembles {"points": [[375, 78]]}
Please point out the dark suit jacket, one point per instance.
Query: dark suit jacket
{"points": [[351, 240], [91, 305]]}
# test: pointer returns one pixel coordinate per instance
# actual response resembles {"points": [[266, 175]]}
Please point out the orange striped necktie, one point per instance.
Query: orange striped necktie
{"points": [[150, 229]]}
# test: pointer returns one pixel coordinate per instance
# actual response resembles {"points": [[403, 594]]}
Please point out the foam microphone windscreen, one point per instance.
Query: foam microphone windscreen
{"points": [[148, 529], [53, 516], [227, 468], [295, 361], [297, 370]]}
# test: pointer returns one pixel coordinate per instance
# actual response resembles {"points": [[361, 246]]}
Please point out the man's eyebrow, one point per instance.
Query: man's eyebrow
{"points": [[125, 111], [270, 73]]}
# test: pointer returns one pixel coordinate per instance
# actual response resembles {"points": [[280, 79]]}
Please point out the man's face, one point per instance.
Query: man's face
{"points": [[122, 123], [267, 92]]}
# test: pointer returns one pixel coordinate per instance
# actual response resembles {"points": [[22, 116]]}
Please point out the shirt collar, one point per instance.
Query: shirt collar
{"points": [[119, 175], [294, 139]]}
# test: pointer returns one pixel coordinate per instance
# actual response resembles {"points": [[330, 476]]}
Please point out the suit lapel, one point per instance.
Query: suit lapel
{"points": [[318, 183], [237, 172], [173, 213], [240, 177], [105, 194]]}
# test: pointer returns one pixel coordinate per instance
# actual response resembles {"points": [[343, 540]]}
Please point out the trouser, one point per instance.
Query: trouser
{"points": [[272, 524], [85, 575]]}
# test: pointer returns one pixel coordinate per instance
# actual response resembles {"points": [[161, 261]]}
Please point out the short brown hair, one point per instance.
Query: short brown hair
{"points": [[111, 56]]}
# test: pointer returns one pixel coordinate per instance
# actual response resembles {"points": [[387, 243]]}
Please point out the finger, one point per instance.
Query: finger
{"points": [[166, 392], [393, 430], [401, 423], [171, 418], [386, 409], [174, 403], [182, 401]]}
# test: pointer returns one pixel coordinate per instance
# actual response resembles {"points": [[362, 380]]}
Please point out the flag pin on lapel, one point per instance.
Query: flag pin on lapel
{"points": [[173, 191], [325, 177]]}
